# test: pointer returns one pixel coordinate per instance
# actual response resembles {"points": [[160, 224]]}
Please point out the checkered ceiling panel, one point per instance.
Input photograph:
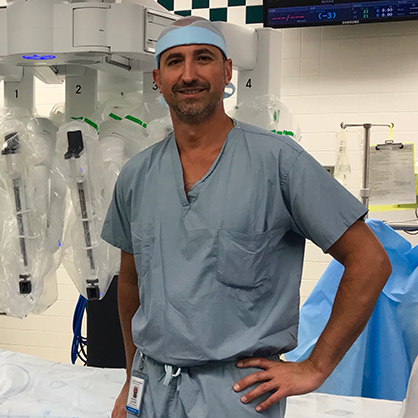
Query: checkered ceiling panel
{"points": [[234, 11]]}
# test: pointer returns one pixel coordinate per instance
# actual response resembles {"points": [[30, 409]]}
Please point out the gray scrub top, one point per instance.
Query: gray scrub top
{"points": [[219, 270]]}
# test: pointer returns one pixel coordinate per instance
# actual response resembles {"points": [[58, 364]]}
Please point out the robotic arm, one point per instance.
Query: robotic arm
{"points": [[81, 186], [15, 169]]}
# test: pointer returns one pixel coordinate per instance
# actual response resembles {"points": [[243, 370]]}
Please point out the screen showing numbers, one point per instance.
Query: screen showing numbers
{"points": [[297, 13]]}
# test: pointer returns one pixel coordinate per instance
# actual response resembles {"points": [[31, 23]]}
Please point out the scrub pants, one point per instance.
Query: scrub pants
{"points": [[199, 392]]}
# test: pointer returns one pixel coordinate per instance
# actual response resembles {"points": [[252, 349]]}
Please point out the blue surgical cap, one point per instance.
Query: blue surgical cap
{"points": [[188, 31]]}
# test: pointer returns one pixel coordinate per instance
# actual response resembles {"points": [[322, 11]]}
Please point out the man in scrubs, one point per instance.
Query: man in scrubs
{"points": [[212, 223]]}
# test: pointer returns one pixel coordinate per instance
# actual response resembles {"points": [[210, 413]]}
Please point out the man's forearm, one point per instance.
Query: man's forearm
{"points": [[353, 305], [128, 303], [128, 300], [356, 297], [367, 269]]}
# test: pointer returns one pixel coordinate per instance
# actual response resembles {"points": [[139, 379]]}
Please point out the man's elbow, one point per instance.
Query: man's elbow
{"points": [[388, 266], [383, 266]]}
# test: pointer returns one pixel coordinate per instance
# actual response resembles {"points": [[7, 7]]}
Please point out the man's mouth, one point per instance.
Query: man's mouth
{"points": [[190, 91]]}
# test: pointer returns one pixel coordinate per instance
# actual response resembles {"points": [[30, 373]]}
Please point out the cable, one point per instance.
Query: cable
{"points": [[79, 345], [413, 233], [79, 342], [409, 232]]}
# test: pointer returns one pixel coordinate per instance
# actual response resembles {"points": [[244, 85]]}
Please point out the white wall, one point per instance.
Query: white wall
{"points": [[351, 74], [355, 74]]}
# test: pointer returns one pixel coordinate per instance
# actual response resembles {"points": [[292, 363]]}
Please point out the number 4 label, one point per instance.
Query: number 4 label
{"points": [[249, 83]]}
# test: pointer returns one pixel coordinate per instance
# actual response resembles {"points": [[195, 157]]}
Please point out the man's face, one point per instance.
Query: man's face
{"points": [[192, 79]]}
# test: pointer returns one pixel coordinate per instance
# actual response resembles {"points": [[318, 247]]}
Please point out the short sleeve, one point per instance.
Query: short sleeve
{"points": [[321, 208], [117, 226]]}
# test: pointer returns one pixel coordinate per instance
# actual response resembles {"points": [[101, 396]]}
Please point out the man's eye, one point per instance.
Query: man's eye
{"points": [[204, 58], [173, 62]]}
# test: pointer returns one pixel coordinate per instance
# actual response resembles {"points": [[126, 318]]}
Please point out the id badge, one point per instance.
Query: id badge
{"points": [[136, 392]]}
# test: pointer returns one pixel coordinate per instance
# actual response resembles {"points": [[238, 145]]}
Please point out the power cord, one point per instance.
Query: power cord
{"points": [[79, 345], [413, 233]]}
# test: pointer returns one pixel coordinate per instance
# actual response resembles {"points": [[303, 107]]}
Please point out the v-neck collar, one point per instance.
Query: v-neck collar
{"points": [[188, 200]]}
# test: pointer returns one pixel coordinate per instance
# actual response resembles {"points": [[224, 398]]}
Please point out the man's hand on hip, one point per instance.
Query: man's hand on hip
{"points": [[281, 378], [119, 410]]}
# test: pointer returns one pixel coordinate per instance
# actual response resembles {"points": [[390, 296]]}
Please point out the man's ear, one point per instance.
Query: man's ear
{"points": [[156, 76], [228, 71]]}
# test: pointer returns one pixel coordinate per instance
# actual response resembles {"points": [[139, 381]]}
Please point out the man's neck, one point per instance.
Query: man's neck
{"points": [[207, 135]]}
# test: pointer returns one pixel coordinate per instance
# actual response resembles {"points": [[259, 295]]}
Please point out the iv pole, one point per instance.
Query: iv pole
{"points": [[365, 182]]}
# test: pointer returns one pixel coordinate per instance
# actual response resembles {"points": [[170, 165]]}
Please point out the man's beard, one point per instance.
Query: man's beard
{"points": [[194, 111]]}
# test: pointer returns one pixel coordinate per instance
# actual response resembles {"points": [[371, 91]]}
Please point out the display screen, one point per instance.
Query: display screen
{"points": [[297, 13]]}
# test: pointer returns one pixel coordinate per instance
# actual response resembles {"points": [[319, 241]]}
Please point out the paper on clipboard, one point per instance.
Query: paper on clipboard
{"points": [[392, 174]]}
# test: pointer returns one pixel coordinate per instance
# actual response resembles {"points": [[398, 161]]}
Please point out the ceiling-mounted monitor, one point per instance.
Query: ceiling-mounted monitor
{"points": [[299, 13]]}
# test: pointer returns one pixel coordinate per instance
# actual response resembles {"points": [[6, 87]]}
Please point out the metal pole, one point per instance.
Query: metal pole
{"points": [[365, 189]]}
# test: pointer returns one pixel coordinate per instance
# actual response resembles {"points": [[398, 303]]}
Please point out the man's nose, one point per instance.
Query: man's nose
{"points": [[189, 71]]}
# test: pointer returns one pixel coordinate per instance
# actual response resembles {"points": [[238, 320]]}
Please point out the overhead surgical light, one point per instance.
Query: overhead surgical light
{"points": [[36, 57]]}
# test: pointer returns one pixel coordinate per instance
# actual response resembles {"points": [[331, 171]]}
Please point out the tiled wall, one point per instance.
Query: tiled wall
{"points": [[355, 74], [351, 74], [48, 335]]}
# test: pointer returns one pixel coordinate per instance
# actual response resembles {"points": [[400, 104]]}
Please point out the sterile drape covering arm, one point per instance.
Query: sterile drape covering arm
{"points": [[90, 261], [28, 261]]}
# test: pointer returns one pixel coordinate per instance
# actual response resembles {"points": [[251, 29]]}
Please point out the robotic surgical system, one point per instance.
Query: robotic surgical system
{"points": [[57, 173]]}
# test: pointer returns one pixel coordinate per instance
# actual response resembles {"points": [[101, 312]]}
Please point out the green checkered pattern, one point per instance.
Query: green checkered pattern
{"points": [[240, 12]]}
